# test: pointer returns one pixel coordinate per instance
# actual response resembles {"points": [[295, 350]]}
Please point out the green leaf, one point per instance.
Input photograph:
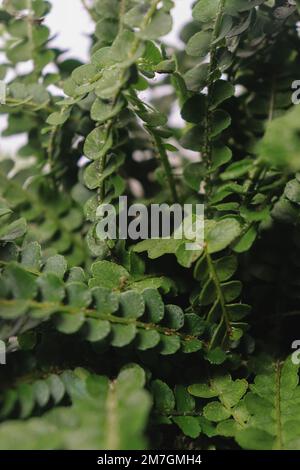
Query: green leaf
{"points": [[273, 407], [157, 247], [226, 267], [174, 317], [41, 392], [238, 311], [135, 15], [110, 83], [231, 290], [187, 257], [208, 293], [58, 118], [227, 428], [56, 386], [229, 391], [216, 356], [202, 390], [154, 306], [51, 287], [279, 146], [13, 230], [222, 90], [147, 339], [191, 346], [246, 240], [97, 144], [196, 78], [27, 341], [184, 401], [78, 294], [220, 156], [193, 324], [153, 118], [292, 191], [166, 66], [151, 57], [194, 173], [160, 25], [102, 111], [97, 330], [220, 121], [122, 406], [22, 283], [84, 74], [169, 344], [106, 301], [255, 439], [12, 310], [69, 323], [194, 109], [216, 412]]}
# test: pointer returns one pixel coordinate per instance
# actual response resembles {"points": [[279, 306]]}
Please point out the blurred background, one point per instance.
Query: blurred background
{"points": [[70, 26]]}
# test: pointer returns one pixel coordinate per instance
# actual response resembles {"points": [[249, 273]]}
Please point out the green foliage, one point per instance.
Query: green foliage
{"points": [[102, 310], [263, 418], [94, 400], [129, 344]]}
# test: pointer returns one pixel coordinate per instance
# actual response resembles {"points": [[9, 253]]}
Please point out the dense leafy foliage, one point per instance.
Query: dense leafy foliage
{"points": [[123, 344]]}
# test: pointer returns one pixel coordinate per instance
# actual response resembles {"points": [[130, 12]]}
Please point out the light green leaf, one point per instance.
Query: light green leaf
{"points": [[157, 247], [13, 230], [154, 306], [132, 304], [160, 25], [216, 412], [97, 144], [69, 323], [164, 400], [199, 44]]}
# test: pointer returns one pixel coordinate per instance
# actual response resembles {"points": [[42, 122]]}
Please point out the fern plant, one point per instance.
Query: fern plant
{"points": [[136, 344]]}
